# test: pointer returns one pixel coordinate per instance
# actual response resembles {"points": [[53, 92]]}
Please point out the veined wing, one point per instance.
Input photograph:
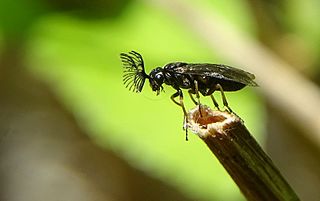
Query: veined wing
{"points": [[219, 71]]}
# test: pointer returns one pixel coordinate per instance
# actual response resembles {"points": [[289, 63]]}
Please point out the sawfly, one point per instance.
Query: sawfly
{"points": [[197, 78]]}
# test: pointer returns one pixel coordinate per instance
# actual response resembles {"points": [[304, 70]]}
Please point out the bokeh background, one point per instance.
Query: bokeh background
{"points": [[70, 130]]}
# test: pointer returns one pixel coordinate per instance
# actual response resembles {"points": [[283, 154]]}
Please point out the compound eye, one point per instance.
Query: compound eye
{"points": [[159, 76]]}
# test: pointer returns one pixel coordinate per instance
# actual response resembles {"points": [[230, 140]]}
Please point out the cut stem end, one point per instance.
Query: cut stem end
{"points": [[239, 153], [208, 121]]}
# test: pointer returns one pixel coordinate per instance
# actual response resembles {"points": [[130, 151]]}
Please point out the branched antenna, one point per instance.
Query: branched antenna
{"points": [[134, 74]]}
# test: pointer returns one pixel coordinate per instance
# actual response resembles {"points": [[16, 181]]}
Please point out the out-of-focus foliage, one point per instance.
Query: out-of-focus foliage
{"points": [[1, 43], [80, 59], [16, 17], [234, 11], [301, 17]]}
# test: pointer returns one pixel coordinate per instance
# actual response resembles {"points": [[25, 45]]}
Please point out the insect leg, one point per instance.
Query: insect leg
{"points": [[197, 91], [174, 96], [224, 99], [185, 121], [211, 91], [190, 94], [214, 101], [198, 96], [180, 103]]}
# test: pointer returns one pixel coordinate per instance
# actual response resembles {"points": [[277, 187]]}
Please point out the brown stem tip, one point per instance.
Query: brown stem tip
{"points": [[210, 122], [240, 154]]}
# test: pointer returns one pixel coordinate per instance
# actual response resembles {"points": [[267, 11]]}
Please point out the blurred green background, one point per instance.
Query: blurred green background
{"points": [[72, 131]]}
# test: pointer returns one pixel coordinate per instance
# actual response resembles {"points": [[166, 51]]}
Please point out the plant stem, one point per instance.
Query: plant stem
{"points": [[240, 154]]}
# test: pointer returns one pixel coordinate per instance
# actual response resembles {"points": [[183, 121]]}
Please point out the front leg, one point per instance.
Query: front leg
{"points": [[180, 103]]}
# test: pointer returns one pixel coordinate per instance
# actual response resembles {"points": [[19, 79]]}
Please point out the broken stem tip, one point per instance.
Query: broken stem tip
{"points": [[240, 154]]}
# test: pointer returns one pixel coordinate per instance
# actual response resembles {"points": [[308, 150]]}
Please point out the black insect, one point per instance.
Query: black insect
{"points": [[198, 78]]}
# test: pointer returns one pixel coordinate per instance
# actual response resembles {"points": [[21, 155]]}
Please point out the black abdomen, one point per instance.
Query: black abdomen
{"points": [[228, 85], [207, 85]]}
